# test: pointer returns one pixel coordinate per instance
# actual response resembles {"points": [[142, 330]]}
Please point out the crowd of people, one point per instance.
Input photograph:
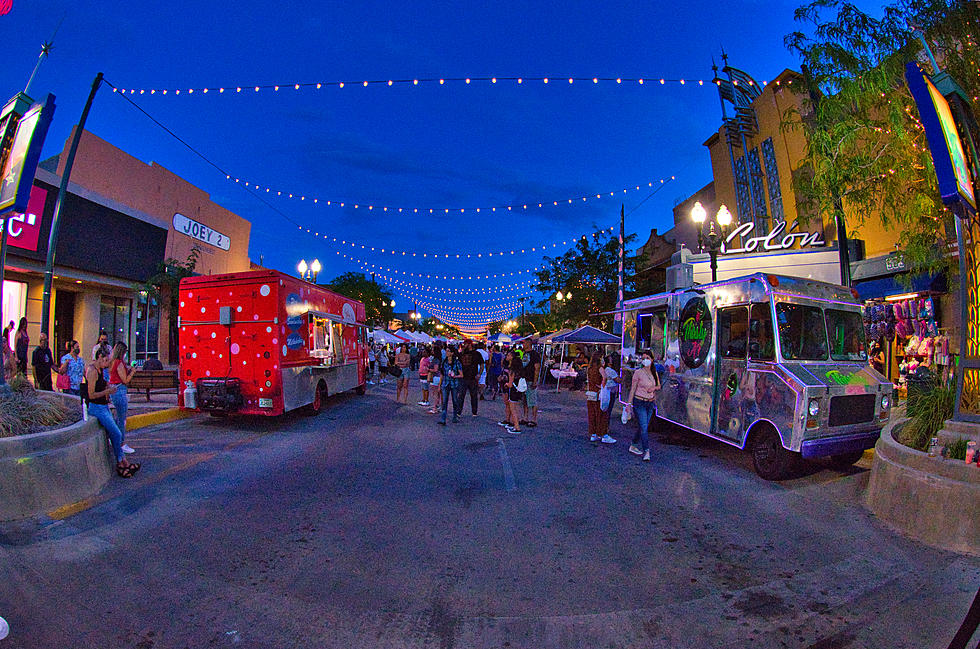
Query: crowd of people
{"points": [[104, 379], [447, 374]]}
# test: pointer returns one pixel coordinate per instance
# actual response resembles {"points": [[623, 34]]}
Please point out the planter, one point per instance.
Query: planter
{"points": [[930, 499], [44, 471]]}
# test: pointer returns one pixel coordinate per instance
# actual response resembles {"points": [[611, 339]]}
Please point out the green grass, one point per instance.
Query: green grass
{"points": [[24, 411], [928, 409]]}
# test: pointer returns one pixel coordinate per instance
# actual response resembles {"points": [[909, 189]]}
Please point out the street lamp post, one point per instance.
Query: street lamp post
{"points": [[717, 232], [315, 269], [303, 268]]}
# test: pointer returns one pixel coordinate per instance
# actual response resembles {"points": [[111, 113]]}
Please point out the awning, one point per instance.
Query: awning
{"points": [[881, 287]]}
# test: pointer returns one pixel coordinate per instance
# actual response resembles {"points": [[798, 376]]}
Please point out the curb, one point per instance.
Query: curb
{"points": [[160, 417]]}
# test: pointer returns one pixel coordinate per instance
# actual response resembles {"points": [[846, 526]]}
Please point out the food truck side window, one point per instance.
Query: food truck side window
{"points": [[802, 332], [651, 333], [762, 344], [847, 341], [321, 337], [338, 340], [733, 332]]}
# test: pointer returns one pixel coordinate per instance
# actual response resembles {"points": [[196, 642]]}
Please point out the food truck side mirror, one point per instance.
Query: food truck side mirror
{"points": [[225, 316]]}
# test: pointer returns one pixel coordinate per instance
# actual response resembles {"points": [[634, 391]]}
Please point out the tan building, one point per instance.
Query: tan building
{"points": [[122, 218]]}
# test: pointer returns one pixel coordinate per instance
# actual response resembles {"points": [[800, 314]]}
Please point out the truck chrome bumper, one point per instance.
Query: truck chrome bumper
{"points": [[841, 444]]}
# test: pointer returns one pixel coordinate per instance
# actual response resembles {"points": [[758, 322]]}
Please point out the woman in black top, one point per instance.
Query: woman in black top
{"points": [[98, 392]]}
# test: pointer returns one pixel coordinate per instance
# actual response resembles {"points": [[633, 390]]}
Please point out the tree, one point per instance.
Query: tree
{"points": [[376, 298], [163, 286], [865, 143], [589, 271]]}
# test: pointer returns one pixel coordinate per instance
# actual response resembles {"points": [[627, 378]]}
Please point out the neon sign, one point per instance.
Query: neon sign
{"points": [[775, 240], [694, 331]]}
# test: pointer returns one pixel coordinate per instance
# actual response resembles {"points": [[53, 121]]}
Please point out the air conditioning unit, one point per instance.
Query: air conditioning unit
{"points": [[680, 276]]}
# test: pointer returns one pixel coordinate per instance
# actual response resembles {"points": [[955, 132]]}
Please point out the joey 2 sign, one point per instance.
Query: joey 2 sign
{"points": [[201, 232]]}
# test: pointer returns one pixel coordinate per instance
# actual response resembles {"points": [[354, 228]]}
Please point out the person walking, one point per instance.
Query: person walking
{"points": [[485, 355], [382, 365], [514, 398], [424, 378], [646, 384], [472, 363], [97, 392], [610, 388], [451, 370], [73, 366], [598, 422], [403, 361], [43, 360], [22, 343], [120, 374]]}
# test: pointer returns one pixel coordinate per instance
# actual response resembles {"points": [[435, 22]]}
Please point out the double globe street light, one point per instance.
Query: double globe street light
{"points": [[309, 271], [717, 232]]}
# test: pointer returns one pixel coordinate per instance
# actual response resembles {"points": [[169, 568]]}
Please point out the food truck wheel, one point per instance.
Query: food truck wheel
{"points": [[319, 396], [770, 459], [845, 460]]}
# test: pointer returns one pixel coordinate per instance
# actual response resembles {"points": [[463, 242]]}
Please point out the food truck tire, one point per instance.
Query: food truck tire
{"points": [[845, 460], [770, 459], [319, 397]]}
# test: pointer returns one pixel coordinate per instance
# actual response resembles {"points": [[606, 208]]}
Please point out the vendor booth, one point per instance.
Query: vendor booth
{"points": [[585, 335]]}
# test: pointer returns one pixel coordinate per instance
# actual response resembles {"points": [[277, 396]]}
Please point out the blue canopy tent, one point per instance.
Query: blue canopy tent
{"points": [[585, 335]]}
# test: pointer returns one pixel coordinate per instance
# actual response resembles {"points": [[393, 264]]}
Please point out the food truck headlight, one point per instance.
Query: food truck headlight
{"points": [[813, 408], [885, 402]]}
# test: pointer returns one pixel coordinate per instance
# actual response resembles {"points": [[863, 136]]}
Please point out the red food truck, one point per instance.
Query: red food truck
{"points": [[264, 343]]}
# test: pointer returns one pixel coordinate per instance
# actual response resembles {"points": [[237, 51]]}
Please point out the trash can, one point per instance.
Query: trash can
{"points": [[919, 382]]}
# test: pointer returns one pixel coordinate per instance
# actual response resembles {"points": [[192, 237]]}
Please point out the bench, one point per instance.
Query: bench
{"points": [[154, 380]]}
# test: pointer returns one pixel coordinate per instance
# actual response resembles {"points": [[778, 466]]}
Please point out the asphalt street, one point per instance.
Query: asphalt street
{"points": [[370, 526]]}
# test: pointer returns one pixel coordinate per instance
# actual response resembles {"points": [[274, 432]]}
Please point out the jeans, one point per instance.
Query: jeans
{"points": [[102, 413], [643, 411], [120, 400], [471, 386], [456, 394]]}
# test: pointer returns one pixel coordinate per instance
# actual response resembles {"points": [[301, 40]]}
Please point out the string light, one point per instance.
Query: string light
{"points": [[493, 290], [318, 85], [460, 302], [374, 268], [480, 209]]}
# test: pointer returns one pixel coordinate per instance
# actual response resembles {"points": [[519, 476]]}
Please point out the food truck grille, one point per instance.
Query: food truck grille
{"points": [[852, 409]]}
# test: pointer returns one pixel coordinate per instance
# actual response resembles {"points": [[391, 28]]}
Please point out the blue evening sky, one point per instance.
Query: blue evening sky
{"points": [[426, 146]]}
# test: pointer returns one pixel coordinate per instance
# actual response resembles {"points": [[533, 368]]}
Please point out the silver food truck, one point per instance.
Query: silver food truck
{"points": [[774, 365]]}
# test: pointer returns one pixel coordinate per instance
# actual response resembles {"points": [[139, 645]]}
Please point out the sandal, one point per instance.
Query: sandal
{"points": [[128, 471]]}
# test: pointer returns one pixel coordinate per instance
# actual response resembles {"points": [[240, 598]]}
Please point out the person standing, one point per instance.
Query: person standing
{"points": [[435, 381], [424, 378], [598, 422], [485, 355], [120, 374], [531, 362], [382, 365], [22, 343], [73, 366], [371, 361], [494, 371], [610, 388], [403, 361], [103, 344], [98, 392], [451, 370], [646, 384], [42, 360], [472, 363], [514, 398]]}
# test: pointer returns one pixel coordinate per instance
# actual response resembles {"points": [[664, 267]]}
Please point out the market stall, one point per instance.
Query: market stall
{"points": [[585, 335]]}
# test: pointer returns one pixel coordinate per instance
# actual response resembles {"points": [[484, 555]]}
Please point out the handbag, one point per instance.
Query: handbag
{"points": [[63, 382], [395, 371], [522, 385], [591, 396]]}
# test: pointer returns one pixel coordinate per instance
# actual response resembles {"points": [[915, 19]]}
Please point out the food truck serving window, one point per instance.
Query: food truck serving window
{"points": [[651, 333], [802, 333], [733, 332], [846, 330]]}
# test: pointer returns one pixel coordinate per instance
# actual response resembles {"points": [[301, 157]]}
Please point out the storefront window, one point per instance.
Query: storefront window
{"points": [[147, 328], [14, 302], [802, 333], [846, 330], [114, 318]]}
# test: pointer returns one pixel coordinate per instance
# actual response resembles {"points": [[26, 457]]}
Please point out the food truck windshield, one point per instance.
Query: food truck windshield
{"points": [[804, 329]]}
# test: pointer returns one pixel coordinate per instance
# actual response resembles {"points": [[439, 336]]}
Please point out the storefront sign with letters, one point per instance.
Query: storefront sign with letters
{"points": [[775, 240]]}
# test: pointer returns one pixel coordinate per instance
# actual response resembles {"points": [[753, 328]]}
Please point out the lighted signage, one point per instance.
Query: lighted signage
{"points": [[774, 240], [694, 332], [17, 177], [201, 232], [24, 229], [948, 157]]}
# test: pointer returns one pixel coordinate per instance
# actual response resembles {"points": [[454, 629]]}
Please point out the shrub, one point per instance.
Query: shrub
{"points": [[956, 450], [24, 411], [928, 411]]}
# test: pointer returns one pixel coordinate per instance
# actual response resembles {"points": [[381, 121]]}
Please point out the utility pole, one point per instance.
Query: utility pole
{"points": [[62, 193]]}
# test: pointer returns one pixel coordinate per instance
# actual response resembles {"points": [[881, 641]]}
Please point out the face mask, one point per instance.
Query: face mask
{"points": [[647, 362]]}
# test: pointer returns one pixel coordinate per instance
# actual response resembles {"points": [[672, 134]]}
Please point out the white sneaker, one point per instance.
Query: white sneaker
{"points": [[513, 431], [635, 450], [594, 438], [646, 456], [126, 448], [504, 424], [606, 439]]}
